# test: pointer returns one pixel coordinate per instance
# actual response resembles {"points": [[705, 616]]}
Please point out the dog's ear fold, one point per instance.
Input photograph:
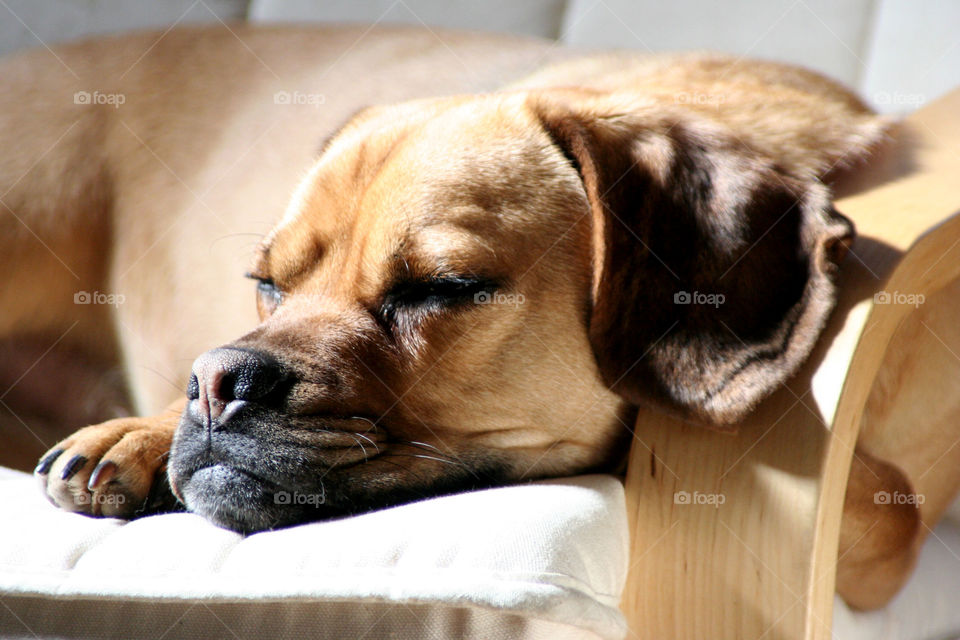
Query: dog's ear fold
{"points": [[711, 266]]}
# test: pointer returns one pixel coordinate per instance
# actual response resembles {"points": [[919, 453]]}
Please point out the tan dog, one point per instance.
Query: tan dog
{"points": [[464, 291]]}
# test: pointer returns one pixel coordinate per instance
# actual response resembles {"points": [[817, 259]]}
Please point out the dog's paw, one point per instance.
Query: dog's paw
{"points": [[113, 469]]}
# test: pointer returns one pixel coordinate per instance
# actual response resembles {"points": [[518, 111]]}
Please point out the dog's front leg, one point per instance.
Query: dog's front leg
{"points": [[114, 469]]}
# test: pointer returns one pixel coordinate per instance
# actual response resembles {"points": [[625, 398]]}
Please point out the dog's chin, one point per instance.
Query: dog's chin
{"points": [[237, 500]]}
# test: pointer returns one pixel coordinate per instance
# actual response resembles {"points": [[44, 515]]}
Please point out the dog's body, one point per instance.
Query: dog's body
{"points": [[463, 291]]}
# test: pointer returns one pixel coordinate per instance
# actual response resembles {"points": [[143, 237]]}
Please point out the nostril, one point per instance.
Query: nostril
{"points": [[224, 375], [193, 388], [225, 387], [255, 380], [231, 377]]}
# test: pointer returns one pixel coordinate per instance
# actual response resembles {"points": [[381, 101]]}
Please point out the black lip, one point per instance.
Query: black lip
{"points": [[292, 448], [231, 475], [243, 501], [183, 468]]}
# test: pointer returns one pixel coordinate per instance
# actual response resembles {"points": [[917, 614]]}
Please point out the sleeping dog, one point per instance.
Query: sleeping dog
{"points": [[463, 291]]}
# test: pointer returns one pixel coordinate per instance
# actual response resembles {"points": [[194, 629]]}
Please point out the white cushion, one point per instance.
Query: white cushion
{"points": [[537, 560]]}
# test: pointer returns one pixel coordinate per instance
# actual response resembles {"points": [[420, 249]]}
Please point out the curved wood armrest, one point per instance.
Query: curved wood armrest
{"points": [[736, 536]]}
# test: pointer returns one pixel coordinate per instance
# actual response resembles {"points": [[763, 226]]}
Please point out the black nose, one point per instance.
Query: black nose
{"points": [[221, 376]]}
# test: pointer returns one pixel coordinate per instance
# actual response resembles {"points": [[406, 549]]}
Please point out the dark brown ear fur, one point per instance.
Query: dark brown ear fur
{"points": [[712, 266]]}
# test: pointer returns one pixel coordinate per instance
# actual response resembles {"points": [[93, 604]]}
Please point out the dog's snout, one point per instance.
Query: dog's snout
{"points": [[222, 376]]}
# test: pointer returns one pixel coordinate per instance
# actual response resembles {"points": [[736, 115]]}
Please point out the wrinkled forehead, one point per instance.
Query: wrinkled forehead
{"points": [[445, 181]]}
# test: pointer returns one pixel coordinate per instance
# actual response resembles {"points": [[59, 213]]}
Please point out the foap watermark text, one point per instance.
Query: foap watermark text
{"points": [[96, 97], [495, 297], [701, 99], [297, 498], [897, 297], [697, 297], [299, 98], [698, 498], [885, 497], [100, 498], [899, 99], [99, 297]]}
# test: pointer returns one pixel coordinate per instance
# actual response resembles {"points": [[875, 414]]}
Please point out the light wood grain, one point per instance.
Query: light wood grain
{"points": [[763, 563]]}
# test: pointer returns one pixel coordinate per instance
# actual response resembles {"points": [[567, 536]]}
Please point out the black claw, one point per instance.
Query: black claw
{"points": [[76, 463], [101, 474], [43, 468]]}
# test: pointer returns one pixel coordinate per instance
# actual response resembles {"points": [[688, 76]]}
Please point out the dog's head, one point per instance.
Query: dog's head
{"points": [[471, 291]]}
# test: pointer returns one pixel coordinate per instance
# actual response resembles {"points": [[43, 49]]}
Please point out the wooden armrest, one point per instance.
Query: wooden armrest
{"points": [[736, 536]]}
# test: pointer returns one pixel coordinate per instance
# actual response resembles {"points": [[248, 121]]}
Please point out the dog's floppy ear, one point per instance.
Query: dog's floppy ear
{"points": [[711, 266]]}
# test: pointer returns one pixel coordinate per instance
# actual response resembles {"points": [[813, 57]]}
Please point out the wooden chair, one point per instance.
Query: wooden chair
{"points": [[763, 563]]}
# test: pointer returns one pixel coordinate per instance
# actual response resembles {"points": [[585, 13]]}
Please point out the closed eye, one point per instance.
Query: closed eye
{"points": [[269, 295], [433, 294]]}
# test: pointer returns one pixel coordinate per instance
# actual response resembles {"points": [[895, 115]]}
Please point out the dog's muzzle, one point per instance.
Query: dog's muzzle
{"points": [[250, 454], [232, 458]]}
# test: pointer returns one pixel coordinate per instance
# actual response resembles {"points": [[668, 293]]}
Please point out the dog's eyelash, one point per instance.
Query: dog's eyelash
{"points": [[433, 293], [435, 290]]}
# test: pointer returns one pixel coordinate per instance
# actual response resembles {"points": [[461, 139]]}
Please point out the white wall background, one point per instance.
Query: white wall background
{"points": [[898, 53]]}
